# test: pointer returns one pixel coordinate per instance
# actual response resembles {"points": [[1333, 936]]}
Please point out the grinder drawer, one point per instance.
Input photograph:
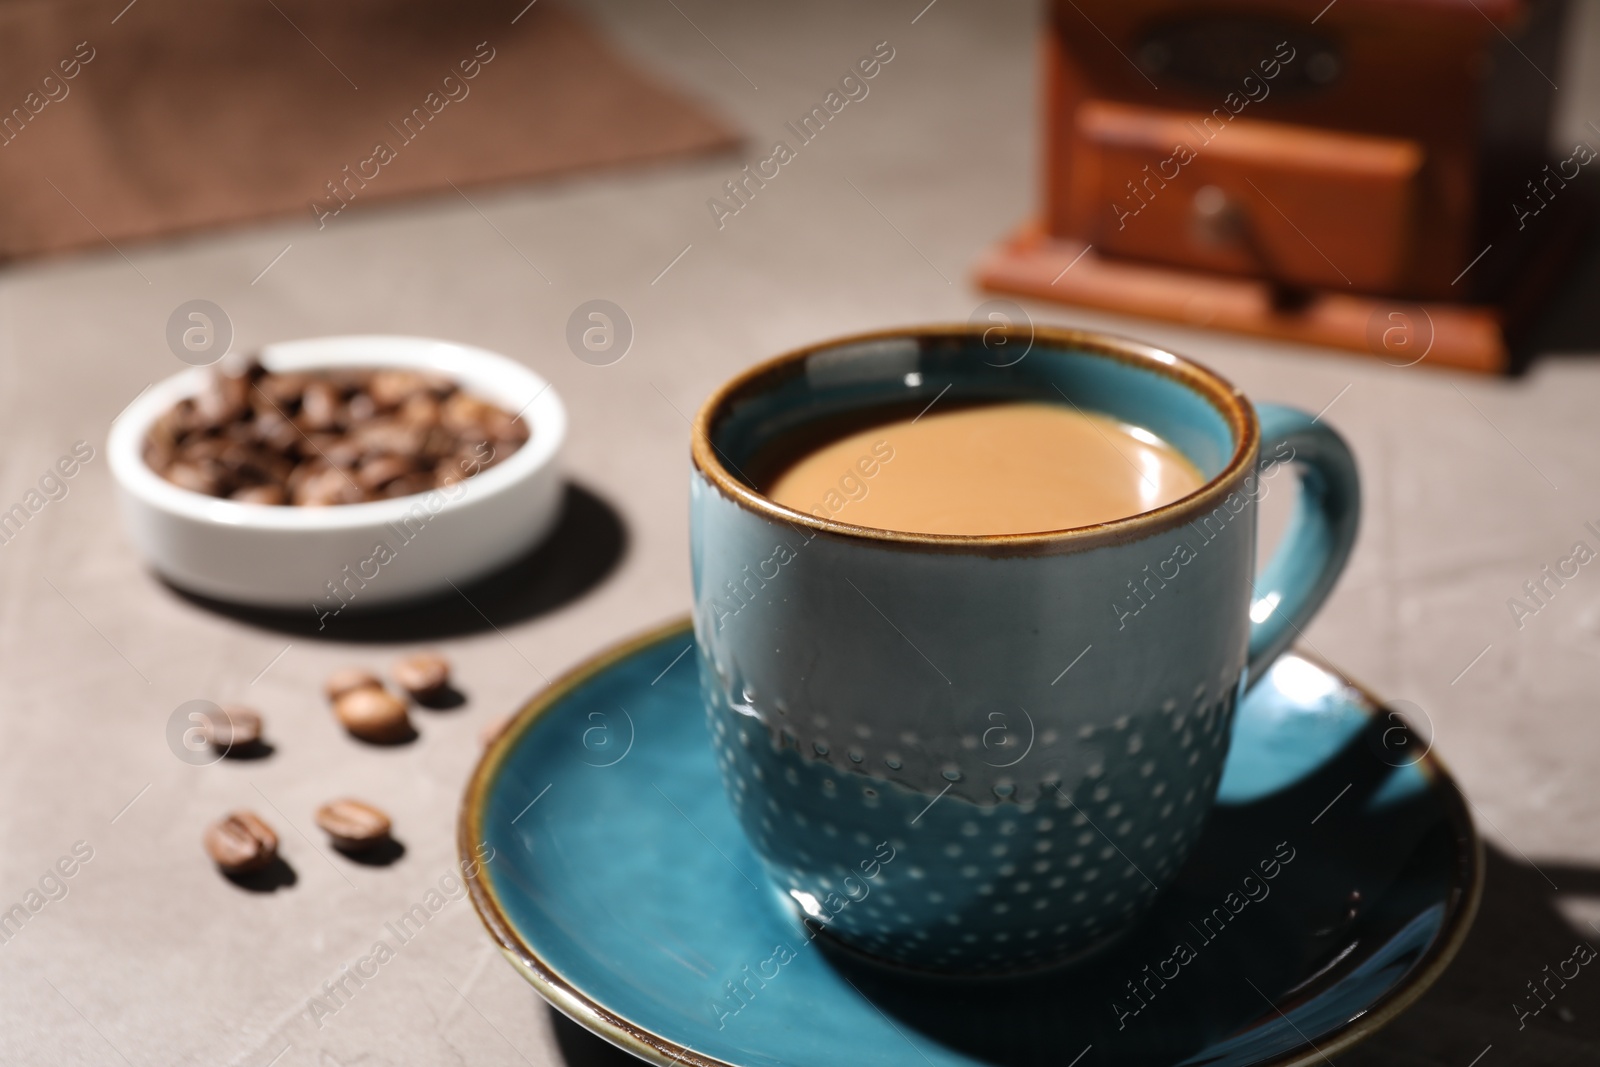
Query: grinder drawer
{"points": [[1294, 204]]}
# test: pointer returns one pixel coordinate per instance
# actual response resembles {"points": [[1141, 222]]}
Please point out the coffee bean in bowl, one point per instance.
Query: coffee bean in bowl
{"points": [[240, 843], [323, 438], [353, 825], [326, 478]]}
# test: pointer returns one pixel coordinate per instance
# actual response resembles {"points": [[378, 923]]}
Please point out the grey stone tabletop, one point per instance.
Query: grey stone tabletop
{"points": [[144, 955]]}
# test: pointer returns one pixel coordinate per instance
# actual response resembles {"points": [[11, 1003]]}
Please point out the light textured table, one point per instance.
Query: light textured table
{"points": [[1472, 485]]}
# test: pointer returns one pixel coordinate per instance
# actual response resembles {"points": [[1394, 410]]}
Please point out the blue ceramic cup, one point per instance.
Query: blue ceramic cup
{"points": [[982, 753]]}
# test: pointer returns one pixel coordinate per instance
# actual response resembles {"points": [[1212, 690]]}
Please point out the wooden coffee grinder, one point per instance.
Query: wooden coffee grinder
{"points": [[1370, 174]]}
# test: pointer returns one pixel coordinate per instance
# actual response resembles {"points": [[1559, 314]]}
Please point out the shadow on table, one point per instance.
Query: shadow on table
{"points": [[1519, 932], [586, 546], [271, 878]]}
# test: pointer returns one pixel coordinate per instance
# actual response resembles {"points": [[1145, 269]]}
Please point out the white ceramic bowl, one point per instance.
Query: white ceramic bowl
{"points": [[353, 555]]}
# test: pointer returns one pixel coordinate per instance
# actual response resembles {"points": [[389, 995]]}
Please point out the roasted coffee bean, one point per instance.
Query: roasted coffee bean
{"points": [[389, 436], [344, 453], [237, 433], [420, 411], [231, 727], [159, 455], [245, 434], [225, 400], [183, 417], [391, 388], [512, 433], [300, 475], [314, 444], [241, 843], [278, 392], [379, 471], [276, 432], [191, 476], [423, 675], [258, 494], [408, 485], [353, 826], [201, 449], [492, 729], [347, 679], [320, 406], [326, 487], [162, 441], [438, 443], [464, 414], [374, 715], [251, 464]]}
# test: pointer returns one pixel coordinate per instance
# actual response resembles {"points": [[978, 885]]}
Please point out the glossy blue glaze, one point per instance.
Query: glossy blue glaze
{"points": [[1040, 720], [630, 885], [1320, 534]]}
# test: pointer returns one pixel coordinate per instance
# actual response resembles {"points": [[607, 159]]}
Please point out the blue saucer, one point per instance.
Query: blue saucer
{"points": [[620, 885]]}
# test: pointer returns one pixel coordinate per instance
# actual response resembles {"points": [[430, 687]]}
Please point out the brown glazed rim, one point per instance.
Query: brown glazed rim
{"points": [[1220, 393], [1466, 889]]}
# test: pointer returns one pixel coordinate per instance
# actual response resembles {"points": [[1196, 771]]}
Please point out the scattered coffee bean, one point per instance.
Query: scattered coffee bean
{"points": [[374, 715], [493, 729], [423, 675], [241, 843], [232, 727], [317, 439], [346, 679], [354, 826]]}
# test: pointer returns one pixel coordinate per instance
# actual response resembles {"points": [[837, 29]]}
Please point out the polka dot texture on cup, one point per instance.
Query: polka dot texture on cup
{"points": [[1060, 852]]}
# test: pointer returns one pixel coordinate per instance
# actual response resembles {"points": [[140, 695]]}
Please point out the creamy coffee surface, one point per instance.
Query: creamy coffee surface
{"points": [[1001, 468]]}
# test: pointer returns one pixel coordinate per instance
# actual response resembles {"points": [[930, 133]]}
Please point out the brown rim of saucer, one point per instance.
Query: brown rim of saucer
{"points": [[1220, 393]]}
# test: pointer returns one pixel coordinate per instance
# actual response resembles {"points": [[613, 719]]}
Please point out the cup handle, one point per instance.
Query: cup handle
{"points": [[1317, 542]]}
